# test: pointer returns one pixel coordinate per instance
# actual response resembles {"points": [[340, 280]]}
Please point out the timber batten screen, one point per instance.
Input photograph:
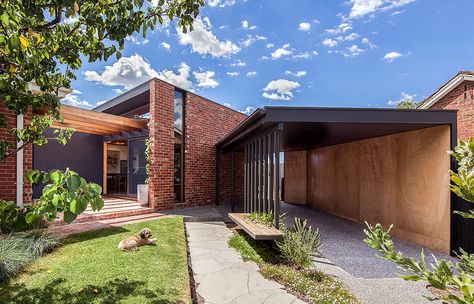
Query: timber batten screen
{"points": [[262, 175]]}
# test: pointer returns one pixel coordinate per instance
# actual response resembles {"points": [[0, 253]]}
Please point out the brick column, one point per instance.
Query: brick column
{"points": [[162, 145]]}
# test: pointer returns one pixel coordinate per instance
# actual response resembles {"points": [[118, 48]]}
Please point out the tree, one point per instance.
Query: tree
{"points": [[407, 104], [455, 279], [42, 44]]}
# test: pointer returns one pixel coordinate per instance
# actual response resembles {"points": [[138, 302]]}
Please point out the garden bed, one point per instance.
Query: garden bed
{"points": [[309, 285], [89, 268]]}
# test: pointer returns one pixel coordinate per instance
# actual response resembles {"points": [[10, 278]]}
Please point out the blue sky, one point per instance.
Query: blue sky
{"points": [[248, 54]]}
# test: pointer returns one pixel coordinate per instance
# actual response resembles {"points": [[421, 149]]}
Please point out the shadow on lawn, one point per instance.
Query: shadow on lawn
{"points": [[86, 236], [267, 250], [112, 292]]}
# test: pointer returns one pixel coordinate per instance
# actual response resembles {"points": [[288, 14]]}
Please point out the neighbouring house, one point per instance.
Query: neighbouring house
{"points": [[457, 94], [376, 165]]}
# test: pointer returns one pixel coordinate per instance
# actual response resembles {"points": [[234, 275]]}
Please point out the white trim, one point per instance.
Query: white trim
{"points": [[451, 85], [19, 165]]}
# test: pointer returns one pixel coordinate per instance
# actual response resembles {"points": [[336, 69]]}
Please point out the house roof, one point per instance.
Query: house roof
{"points": [[446, 88], [137, 100], [311, 127]]}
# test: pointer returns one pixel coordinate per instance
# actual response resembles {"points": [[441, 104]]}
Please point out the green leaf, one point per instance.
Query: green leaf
{"points": [[74, 182], [96, 188], [56, 177], [69, 217], [31, 217]]}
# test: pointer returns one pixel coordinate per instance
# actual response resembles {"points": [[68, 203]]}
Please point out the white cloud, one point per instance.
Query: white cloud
{"points": [[248, 110], [330, 42], [304, 55], [361, 8], [281, 52], [118, 91], [233, 74], [181, 79], [390, 57], [101, 102], [137, 40], [251, 74], [74, 100], [280, 89], [204, 42], [239, 63], [404, 97], [366, 41], [247, 26], [166, 46], [220, 3], [296, 74], [251, 39], [205, 79], [353, 51], [127, 72], [77, 92], [304, 26], [340, 29], [350, 37], [270, 45]]}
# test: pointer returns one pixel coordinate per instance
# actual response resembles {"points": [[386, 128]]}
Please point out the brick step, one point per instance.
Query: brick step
{"points": [[120, 202], [99, 216], [107, 208]]}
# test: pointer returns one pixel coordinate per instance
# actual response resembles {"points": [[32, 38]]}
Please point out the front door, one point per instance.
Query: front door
{"points": [[137, 164]]}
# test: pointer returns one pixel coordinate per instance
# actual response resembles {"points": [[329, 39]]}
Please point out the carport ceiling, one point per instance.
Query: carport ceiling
{"points": [[306, 128]]}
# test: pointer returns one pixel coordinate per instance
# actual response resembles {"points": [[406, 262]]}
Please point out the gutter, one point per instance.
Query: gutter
{"points": [[19, 165]]}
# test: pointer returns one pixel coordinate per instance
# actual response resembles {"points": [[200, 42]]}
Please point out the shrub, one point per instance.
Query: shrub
{"points": [[38, 242], [13, 218], [266, 218], [299, 244], [18, 250], [13, 257]]}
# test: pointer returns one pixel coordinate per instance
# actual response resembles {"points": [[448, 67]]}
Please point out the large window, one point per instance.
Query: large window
{"points": [[179, 146]]}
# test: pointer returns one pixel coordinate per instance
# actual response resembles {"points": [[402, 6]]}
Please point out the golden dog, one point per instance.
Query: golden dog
{"points": [[132, 243]]}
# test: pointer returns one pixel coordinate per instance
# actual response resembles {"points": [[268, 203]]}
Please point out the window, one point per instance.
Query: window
{"points": [[178, 146]]}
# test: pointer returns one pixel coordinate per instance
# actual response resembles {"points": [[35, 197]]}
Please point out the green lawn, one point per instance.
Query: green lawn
{"points": [[89, 268]]}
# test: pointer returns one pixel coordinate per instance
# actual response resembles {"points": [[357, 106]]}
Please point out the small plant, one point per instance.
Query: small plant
{"points": [[39, 243], [300, 244], [266, 218], [13, 257]]}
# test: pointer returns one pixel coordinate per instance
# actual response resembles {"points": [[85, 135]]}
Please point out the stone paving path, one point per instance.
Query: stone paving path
{"points": [[220, 273]]}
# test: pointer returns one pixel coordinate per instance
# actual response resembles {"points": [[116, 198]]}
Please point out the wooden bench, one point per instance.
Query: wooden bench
{"points": [[257, 231]]}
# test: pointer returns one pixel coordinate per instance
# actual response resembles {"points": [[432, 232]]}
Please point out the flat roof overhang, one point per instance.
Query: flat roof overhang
{"points": [[91, 122], [305, 128]]}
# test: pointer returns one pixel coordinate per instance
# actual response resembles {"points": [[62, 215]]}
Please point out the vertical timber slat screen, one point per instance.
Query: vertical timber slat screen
{"points": [[262, 175]]}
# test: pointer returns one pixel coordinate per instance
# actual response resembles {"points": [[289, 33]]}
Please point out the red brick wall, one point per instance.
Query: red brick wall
{"points": [[455, 100], [8, 167], [226, 177], [206, 123], [162, 145]]}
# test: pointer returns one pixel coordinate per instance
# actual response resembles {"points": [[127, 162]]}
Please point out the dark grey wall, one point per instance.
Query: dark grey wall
{"points": [[83, 154]]}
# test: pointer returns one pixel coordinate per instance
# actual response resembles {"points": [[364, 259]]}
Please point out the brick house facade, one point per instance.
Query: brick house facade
{"points": [[205, 123], [456, 94]]}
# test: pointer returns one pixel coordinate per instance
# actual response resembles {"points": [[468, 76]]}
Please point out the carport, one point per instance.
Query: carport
{"points": [[377, 165]]}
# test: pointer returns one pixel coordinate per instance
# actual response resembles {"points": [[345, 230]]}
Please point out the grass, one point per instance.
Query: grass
{"points": [[89, 268], [311, 285]]}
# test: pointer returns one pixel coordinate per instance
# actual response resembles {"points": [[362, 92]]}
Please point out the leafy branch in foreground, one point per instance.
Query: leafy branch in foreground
{"points": [[43, 43], [455, 280]]}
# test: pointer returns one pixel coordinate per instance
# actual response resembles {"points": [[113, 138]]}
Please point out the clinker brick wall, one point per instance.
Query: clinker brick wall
{"points": [[455, 100], [206, 123]]}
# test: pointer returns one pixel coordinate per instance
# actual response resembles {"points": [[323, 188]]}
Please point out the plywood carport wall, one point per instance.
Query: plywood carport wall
{"points": [[399, 179]]}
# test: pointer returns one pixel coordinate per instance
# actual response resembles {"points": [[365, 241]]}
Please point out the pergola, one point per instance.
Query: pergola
{"points": [[98, 123]]}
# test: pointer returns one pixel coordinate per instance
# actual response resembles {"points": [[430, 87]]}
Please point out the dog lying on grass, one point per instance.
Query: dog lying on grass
{"points": [[132, 243]]}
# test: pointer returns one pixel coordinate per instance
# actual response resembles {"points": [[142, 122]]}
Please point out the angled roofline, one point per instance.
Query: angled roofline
{"points": [[141, 88], [446, 88], [289, 114]]}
